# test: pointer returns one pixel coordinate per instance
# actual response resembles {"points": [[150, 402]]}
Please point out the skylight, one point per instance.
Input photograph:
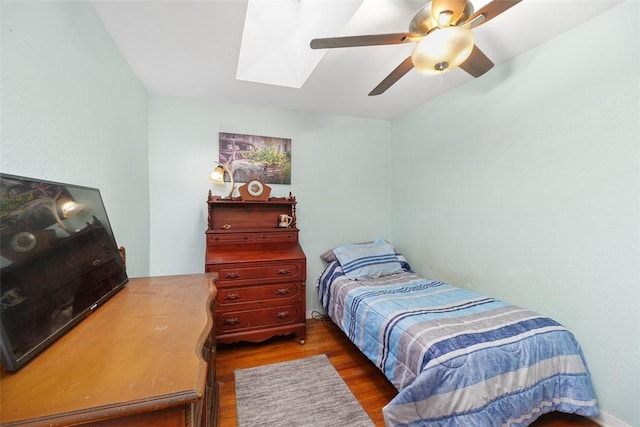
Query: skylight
{"points": [[275, 40]]}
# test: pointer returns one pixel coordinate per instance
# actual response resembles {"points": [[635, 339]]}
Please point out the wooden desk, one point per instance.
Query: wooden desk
{"points": [[146, 357]]}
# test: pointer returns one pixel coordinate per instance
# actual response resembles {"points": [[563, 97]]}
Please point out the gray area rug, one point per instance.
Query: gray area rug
{"points": [[304, 392]]}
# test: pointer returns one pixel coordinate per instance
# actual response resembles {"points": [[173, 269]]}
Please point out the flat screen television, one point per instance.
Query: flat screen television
{"points": [[59, 261]]}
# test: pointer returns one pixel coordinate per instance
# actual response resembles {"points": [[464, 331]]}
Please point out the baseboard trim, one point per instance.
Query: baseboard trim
{"points": [[607, 420]]}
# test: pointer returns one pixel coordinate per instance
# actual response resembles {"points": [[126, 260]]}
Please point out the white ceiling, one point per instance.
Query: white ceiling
{"points": [[192, 49]]}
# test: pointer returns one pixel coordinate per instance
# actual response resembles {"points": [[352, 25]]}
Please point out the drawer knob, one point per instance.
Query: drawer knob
{"points": [[231, 321], [232, 297], [282, 314], [232, 275], [283, 291], [284, 271]]}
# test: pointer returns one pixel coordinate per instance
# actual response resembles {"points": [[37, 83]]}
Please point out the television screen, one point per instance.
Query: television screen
{"points": [[58, 262]]}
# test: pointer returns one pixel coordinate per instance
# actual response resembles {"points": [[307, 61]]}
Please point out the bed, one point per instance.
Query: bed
{"points": [[457, 358]]}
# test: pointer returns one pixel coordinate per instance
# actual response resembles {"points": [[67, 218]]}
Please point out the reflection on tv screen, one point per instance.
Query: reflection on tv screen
{"points": [[59, 261]]}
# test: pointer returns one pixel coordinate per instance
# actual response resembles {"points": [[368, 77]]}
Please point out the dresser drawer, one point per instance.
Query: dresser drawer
{"points": [[258, 272], [231, 238], [247, 319], [279, 236], [245, 294]]}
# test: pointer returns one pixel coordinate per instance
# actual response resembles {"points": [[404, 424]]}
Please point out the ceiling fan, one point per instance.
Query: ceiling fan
{"points": [[441, 30]]}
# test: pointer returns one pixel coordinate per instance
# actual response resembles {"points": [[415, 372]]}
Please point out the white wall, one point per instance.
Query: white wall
{"points": [[340, 178], [526, 186], [73, 111]]}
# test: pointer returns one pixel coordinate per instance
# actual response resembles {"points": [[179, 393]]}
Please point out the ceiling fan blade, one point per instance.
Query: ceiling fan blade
{"points": [[477, 63], [368, 40], [490, 11], [402, 69], [446, 12]]}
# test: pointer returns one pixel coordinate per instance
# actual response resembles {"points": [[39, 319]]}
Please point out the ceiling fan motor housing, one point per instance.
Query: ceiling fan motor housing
{"points": [[423, 21]]}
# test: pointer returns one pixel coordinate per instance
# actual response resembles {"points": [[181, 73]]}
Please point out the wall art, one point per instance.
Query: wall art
{"points": [[249, 157]]}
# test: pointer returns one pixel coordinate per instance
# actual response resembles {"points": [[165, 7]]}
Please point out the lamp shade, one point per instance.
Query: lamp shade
{"points": [[443, 49], [217, 175]]}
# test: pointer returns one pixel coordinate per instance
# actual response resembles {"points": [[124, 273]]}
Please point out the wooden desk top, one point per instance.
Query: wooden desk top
{"points": [[141, 350]]}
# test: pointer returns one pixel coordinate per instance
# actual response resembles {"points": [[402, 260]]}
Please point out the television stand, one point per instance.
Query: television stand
{"points": [[146, 357]]}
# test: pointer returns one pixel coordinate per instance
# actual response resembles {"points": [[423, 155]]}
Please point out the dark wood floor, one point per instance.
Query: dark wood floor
{"points": [[366, 382]]}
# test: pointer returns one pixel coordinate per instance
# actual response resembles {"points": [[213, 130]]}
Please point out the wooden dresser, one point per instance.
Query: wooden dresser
{"points": [[261, 269], [145, 358]]}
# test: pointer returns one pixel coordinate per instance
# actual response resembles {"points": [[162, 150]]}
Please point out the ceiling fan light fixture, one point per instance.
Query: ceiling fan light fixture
{"points": [[443, 49]]}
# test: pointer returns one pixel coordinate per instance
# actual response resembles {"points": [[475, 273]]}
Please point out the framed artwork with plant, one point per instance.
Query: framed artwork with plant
{"points": [[249, 157]]}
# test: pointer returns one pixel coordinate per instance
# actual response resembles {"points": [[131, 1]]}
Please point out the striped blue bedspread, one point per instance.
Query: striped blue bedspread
{"points": [[458, 358]]}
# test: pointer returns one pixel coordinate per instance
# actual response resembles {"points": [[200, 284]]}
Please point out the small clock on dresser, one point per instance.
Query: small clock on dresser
{"points": [[255, 190]]}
